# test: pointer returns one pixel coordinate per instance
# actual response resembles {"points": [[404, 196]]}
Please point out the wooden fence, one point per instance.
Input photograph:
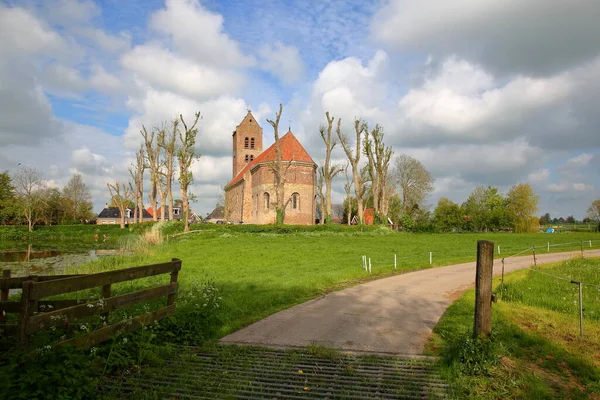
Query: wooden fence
{"points": [[35, 314]]}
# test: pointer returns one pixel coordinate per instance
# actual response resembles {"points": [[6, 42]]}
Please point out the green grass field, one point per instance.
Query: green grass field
{"points": [[235, 275], [536, 351], [259, 274]]}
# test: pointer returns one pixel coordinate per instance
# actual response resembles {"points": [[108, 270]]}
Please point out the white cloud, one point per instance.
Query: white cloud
{"points": [[21, 33], [524, 37], [63, 80], [568, 187], [198, 34], [105, 82], [282, 61], [163, 70]]}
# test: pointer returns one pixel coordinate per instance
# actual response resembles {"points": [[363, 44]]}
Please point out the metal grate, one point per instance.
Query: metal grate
{"points": [[259, 373]]}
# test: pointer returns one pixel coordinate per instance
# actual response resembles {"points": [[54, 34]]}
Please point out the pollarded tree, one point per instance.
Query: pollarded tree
{"points": [[186, 154], [378, 164], [522, 205], [360, 127], [328, 170], [279, 169], [167, 140], [413, 181], [153, 163], [137, 174]]}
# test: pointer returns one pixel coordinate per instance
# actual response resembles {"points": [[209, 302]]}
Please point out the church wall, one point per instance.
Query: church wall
{"points": [[233, 202], [301, 180]]}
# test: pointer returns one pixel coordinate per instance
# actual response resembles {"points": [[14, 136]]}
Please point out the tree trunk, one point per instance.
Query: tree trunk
{"points": [[186, 210]]}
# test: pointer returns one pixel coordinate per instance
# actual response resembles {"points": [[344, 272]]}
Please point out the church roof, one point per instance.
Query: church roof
{"points": [[291, 150]]}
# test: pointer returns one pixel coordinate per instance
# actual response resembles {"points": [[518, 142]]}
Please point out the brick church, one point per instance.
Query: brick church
{"points": [[250, 196]]}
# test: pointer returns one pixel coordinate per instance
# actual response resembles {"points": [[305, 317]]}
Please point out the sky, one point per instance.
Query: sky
{"points": [[482, 92]]}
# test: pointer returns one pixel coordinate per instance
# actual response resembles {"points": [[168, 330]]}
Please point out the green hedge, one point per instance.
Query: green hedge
{"points": [[282, 229]]}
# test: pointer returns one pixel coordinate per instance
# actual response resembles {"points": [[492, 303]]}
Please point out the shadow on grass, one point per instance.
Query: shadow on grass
{"points": [[513, 364]]}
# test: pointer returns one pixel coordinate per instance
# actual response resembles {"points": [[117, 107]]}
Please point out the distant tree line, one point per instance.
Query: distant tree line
{"points": [[25, 198]]}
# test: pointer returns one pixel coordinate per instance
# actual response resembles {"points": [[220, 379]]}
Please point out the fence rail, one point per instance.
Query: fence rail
{"points": [[35, 314]]}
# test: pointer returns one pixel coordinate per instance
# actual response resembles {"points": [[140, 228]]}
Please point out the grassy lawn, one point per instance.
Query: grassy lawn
{"points": [[259, 274], [235, 275], [536, 351]]}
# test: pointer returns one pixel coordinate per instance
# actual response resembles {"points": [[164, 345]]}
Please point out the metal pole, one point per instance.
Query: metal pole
{"points": [[534, 259], [431, 257], [580, 307], [498, 249], [369, 265], [394, 261]]}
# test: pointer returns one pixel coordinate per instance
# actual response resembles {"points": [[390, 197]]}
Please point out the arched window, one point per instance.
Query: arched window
{"points": [[295, 201], [252, 157], [267, 200], [252, 143], [246, 158], [246, 143]]}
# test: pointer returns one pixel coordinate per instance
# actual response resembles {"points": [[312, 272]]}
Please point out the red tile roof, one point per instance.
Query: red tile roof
{"points": [[291, 150]]}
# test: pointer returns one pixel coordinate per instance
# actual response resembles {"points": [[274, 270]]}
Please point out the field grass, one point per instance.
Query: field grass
{"points": [[259, 274], [535, 351]]}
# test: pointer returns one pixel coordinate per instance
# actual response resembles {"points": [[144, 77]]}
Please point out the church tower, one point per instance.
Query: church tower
{"points": [[247, 142]]}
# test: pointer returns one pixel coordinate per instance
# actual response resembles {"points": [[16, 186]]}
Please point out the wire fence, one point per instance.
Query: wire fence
{"points": [[533, 291], [422, 258]]}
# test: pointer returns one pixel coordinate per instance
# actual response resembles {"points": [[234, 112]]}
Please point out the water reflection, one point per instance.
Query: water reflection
{"points": [[43, 261]]}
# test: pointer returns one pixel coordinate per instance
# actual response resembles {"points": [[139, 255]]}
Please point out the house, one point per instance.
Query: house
{"points": [[112, 215], [217, 216], [177, 213], [337, 214], [250, 197]]}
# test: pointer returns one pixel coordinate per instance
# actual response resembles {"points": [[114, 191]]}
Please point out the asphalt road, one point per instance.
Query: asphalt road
{"points": [[391, 315]]}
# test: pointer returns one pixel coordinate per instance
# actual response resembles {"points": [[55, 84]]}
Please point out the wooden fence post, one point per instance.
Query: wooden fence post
{"points": [[28, 307], [174, 274], [483, 288], [105, 295], [4, 294]]}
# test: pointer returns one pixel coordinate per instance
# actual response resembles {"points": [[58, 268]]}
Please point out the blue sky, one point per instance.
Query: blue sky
{"points": [[480, 92]]}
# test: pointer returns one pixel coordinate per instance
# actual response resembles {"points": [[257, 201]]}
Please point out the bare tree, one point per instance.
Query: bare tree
{"points": [[321, 194], [360, 127], [121, 195], [279, 170], [378, 157], [328, 170], [348, 189], [29, 190], [153, 163], [167, 141], [414, 182], [137, 174], [77, 198], [186, 154]]}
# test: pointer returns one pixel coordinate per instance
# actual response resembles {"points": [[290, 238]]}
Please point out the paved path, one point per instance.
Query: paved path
{"points": [[390, 315]]}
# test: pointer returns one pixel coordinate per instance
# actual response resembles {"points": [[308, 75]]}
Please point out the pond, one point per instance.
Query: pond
{"points": [[42, 259]]}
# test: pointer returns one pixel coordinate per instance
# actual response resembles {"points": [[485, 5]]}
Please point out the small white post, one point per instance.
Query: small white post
{"points": [[590, 243], [395, 258], [430, 257], [369, 265], [548, 247], [365, 262], [498, 249]]}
